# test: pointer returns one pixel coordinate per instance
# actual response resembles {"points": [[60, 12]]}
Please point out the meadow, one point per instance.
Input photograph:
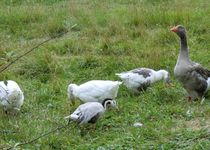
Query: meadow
{"points": [[108, 37]]}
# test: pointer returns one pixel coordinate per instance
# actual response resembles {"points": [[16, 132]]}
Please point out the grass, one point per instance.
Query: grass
{"points": [[110, 37]]}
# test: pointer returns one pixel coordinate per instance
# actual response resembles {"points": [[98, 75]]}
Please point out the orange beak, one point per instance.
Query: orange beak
{"points": [[174, 29]]}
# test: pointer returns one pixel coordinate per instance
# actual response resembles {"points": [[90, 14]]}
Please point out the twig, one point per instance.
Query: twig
{"points": [[30, 50], [35, 139], [6, 132]]}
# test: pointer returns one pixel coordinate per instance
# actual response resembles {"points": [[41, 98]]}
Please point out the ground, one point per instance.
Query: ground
{"points": [[108, 37]]}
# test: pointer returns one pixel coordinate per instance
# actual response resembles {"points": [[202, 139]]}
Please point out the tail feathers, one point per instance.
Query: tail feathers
{"points": [[122, 75], [119, 82], [72, 117], [208, 73], [208, 82], [117, 74]]}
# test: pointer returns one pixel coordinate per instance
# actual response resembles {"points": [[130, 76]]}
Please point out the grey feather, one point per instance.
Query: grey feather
{"points": [[142, 71], [191, 74], [94, 118]]}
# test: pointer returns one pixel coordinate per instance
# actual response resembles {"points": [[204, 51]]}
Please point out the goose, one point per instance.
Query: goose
{"points": [[139, 79], [93, 91], [11, 96], [194, 78], [90, 112]]}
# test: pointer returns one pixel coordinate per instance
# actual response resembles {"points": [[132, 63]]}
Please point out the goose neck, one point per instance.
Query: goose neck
{"points": [[184, 52], [158, 75], [105, 103], [183, 42]]}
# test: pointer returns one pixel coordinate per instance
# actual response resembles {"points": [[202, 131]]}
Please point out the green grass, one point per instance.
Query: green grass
{"points": [[110, 37]]}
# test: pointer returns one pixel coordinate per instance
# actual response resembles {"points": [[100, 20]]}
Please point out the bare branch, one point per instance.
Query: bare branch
{"points": [[7, 132], [35, 139], [30, 50]]}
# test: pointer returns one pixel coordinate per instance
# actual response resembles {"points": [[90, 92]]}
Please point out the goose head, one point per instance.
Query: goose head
{"points": [[108, 102], [166, 77], [179, 30], [70, 92]]}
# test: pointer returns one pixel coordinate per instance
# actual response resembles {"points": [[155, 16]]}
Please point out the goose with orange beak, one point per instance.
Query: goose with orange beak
{"points": [[194, 78]]}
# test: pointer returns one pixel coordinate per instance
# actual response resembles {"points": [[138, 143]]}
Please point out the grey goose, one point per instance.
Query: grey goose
{"points": [[194, 78]]}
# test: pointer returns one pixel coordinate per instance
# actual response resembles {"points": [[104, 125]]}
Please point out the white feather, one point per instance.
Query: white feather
{"points": [[11, 96], [73, 117], [86, 111], [208, 83], [133, 80], [94, 91]]}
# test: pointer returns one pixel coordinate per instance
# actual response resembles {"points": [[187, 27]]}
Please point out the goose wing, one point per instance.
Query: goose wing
{"points": [[199, 76], [98, 90], [88, 111], [145, 72], [200, 71]]}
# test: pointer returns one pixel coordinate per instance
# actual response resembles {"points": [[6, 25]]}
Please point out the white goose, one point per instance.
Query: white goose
{"points": [[90, 112], [139, 79], [93, 91], [11, 96]]}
